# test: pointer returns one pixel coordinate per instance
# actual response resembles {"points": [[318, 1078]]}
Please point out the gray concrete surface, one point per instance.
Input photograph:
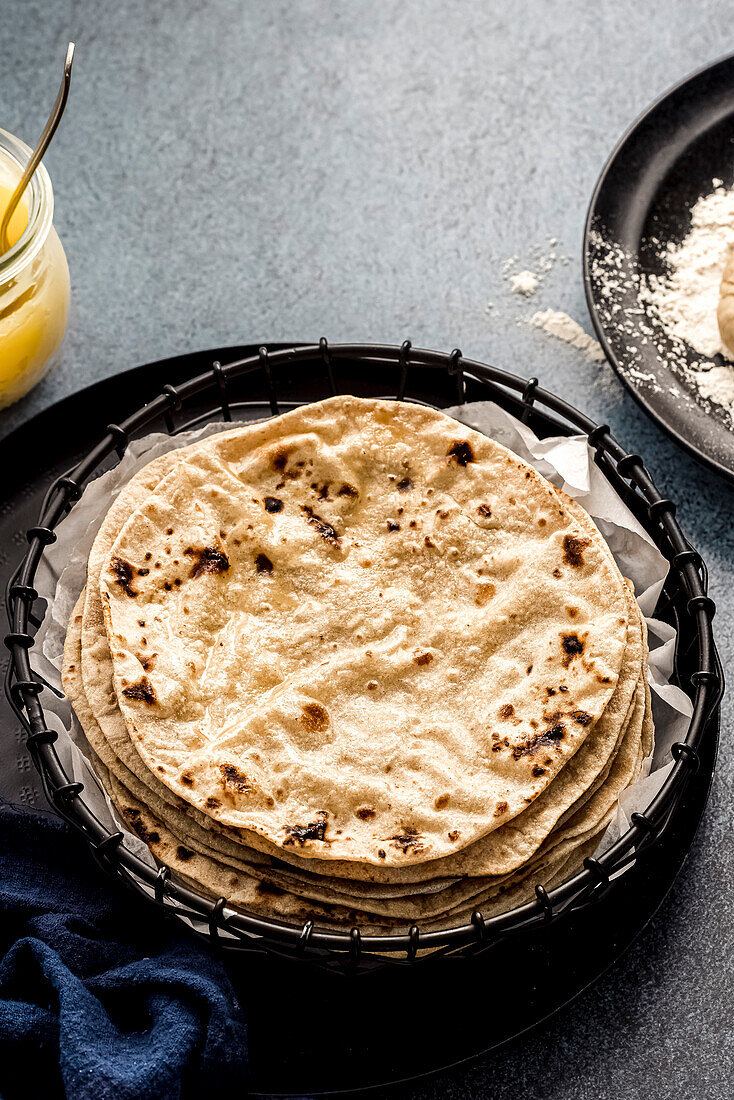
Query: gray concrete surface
{"points": [[239, 170]]}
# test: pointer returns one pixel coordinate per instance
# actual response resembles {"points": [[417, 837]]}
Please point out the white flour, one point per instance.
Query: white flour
{"points": [[563, 327], [686, 298], [525, 283], [674, 314]]}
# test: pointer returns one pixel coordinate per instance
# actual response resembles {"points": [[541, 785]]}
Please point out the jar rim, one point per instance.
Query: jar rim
{"points": [[40, 197]]}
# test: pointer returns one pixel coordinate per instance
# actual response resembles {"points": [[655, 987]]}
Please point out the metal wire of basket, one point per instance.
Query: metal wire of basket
{"points": [[266, 376]]}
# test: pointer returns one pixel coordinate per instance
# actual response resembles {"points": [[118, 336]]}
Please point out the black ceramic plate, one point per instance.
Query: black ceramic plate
{"points": [[661, 166], [313, 1032]]}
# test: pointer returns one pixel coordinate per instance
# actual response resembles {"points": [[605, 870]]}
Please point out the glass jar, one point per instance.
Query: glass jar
{"points": [[34, 281]]}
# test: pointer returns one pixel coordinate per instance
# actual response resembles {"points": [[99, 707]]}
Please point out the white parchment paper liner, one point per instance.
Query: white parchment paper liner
{"points": [[566, 461]]}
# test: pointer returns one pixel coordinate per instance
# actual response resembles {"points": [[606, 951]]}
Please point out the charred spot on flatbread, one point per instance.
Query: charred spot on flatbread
{"points": [[123, 573], [314, 830], [136, 823], [572, 646], [207, 560], [461, 452], [324, 528], [409, 840], [234, 778], [143, 692]]}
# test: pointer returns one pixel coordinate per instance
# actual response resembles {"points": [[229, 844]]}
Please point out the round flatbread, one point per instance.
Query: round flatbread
{"points": [[342, 631]]}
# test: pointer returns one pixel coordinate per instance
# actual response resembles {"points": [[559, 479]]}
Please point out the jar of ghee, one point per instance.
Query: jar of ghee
{"points": [[34, 278]]}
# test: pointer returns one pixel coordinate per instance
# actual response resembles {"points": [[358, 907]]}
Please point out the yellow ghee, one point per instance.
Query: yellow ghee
{"points": [[34, 297]]}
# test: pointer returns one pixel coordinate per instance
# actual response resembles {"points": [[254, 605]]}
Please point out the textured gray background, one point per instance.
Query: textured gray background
{"points": [[241, 170]]}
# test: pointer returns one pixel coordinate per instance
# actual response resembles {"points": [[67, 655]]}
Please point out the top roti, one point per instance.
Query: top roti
{"points": [[360, 630]]}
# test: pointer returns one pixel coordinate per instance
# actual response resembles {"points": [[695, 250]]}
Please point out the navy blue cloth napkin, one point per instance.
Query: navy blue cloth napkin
{"points": [[100, 998]]}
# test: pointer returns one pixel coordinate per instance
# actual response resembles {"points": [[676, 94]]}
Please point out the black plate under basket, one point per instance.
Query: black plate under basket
{"points": [[562, 940]]}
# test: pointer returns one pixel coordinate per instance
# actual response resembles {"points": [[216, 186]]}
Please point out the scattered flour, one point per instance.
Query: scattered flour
{"points": [[525, 283], [563, 327]]}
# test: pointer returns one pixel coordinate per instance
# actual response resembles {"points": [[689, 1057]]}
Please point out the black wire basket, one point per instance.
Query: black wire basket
{"points": [[278, 378]]}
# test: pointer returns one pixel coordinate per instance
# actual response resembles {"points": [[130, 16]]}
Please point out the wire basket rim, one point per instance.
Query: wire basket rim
{"points": [[24, 686]]}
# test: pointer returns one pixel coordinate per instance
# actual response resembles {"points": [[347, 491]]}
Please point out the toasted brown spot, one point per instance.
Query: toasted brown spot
{"points": [[263, 564], [484, 510], [143, 691], [461, 452], [141, 622], [233, 777], [148, 556], [124, 573], [315, 717], [442, 801], [500, 808], [550, 736], [169, 530], [582, 717], [347, 490], [483, 594], [507, 710], [428, 541], [371, 685], [273, 504], [133, 818], [603, 679], [184, 854], [280, 458], [409, 840], [167, 585], [365, 813], [148, 662], [324, 529], [315, 830], [528, 670], [573, 550], [563, 688], [572, 612], [208, 560], [572, 646], [381, 853], [405, 484], [557, 573], [537, 770], [212, 803], [392, 525], [542, 522], [454, 834], [551, 691], [423, 659], [187, 780]]}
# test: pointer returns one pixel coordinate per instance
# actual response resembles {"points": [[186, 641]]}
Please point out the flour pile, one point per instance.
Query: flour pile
{"points": [[675, 312], [686, 298]]}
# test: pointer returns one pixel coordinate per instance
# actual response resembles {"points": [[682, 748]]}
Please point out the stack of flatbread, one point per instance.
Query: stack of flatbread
{"points": [[358, 664]]}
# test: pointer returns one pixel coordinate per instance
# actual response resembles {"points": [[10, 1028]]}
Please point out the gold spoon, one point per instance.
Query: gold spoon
{"points": [[43, 143]]}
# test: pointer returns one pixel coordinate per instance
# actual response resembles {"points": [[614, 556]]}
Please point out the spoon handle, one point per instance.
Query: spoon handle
{"points": [[43, 143]]}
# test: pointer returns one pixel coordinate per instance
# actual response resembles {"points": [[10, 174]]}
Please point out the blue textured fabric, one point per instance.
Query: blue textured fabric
{"points": [[100, 998]]}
